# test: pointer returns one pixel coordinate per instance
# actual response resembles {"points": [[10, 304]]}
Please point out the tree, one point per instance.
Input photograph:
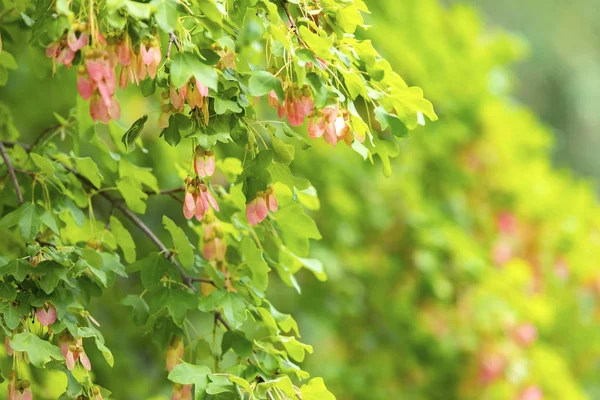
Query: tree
{"points": [[77, 218]]}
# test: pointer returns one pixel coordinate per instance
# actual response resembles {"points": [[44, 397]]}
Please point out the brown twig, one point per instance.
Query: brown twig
{"points": [[11, 172], [293, 26], [172, 40], [167, 191]]}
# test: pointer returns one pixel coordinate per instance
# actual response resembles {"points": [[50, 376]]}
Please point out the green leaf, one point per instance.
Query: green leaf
{"points": [[187, 65], [188, 374], [283, 383], [11, 315], [320, 45], [138, 10], [51, 273], [124, 239], [392, 121], [256, 174], [231, 168], [39, 351], [234, 307], [28, 219], [7, 60], [263, 82], [132, 193], [285, 321], [258, 266], [7, 291], [238, 342], [89, 169], [148, 87], [183, 247], [316, 390], [134, 132], [106, 353], [177, 123], [141, 312], [48, 219], [294, 348], [224, 105], [142, 175], [153, 268], [43, 163], [297, 228], [165, 14], [66, 204], [17, 268], [283, 152]]}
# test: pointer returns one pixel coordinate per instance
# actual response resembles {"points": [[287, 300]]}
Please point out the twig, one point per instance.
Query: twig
{"points": [[202, 280], [13, 144], [167, 191], [220, 318], [293, 27], [41, 135], [172, 40], [11, 172]]}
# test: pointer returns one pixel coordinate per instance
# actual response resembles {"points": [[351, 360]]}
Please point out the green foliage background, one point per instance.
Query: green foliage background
{"points": [[413, 299]]}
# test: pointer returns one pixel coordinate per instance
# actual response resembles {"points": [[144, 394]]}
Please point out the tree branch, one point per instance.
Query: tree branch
{"points": [[172, 40], [41, 135], [293, 26], [11, 172]]}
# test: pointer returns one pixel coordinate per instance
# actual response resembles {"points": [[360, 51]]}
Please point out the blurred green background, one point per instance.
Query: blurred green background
{"points": [[433, 271], [559, 77]]}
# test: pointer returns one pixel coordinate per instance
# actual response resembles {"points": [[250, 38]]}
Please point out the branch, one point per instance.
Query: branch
{"points": [[293, 27], [172, 40], [166, 191], [141, 225], [11, 172], [220, 318], [41, 135]]}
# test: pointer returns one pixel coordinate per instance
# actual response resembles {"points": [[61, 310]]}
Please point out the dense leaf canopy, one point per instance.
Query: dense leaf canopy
{"points": [[168, 165]]}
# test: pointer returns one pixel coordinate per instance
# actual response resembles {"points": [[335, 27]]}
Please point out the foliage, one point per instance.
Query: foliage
{"points": [[438, 276], [73, 194]]}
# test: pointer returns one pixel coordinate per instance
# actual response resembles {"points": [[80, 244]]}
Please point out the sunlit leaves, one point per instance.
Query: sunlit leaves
{"points": [[134, 196], [124, 239], [166, 14], [319, 44], [390, 120], [38, 350], [183, 247], [187, 65], [27, 218], [263, 82], [258, 266], [187, 374], [256, 174], [316, 390], [232, 305], [89, 169]]}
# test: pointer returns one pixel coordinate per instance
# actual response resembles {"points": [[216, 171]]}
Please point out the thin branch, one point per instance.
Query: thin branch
{"points": [[172, 40], [202, 280], [220, 318], [293, 26], [166, 191], [11, 172], [9, 144], [41, 135]]}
